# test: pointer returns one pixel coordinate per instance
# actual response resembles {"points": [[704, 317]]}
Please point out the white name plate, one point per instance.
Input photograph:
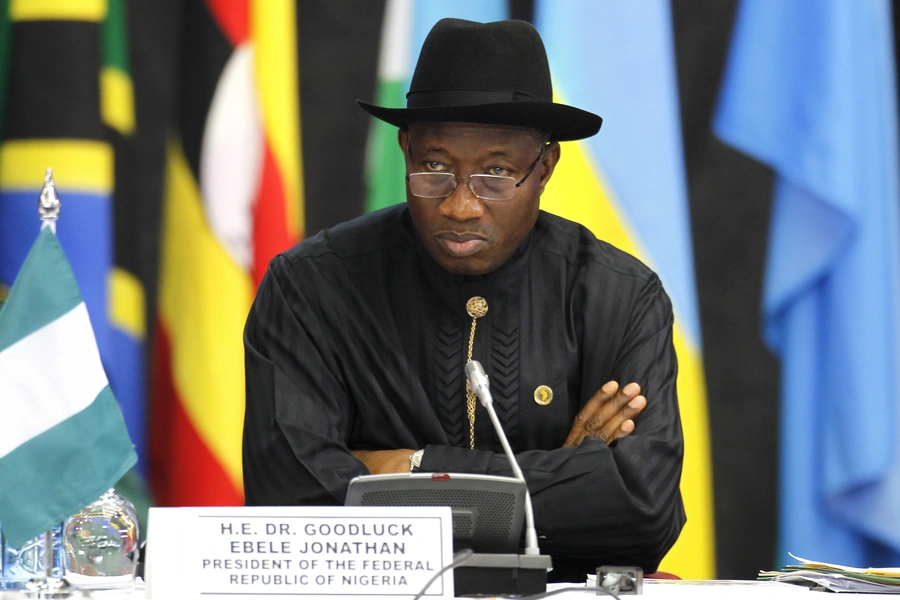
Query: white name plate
{"points": [[298, 551]]}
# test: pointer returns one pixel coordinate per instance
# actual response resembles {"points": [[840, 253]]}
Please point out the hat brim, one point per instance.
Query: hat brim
{"points": [[565, 123]]}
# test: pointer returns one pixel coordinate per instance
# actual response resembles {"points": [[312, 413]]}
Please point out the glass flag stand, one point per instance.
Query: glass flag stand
{"points": [[49, 585]]}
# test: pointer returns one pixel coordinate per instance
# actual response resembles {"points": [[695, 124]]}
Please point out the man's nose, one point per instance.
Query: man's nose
{"points": [[462, 204]]}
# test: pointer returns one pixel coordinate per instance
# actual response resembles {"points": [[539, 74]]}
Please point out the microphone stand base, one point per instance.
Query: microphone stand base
{"points": [[502, 575]]}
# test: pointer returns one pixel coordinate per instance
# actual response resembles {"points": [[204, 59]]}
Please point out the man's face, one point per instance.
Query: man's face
{"points": [[465, 234]]}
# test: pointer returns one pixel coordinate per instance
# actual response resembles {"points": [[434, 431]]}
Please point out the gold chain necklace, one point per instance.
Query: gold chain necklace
{"points": [[477, 307]]}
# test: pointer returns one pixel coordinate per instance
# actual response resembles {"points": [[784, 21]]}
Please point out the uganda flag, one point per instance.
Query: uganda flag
{"points": [[233, 200]]}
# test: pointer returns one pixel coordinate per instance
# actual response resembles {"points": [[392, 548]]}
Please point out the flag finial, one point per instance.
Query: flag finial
{"points": [[49, 204]]}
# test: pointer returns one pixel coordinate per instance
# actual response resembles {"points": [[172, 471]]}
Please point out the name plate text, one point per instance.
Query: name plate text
{"points": [[301, 551]]}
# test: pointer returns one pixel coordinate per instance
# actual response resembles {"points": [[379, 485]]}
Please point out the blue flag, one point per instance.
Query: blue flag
{"points": [[63, 441], [810, 91]]}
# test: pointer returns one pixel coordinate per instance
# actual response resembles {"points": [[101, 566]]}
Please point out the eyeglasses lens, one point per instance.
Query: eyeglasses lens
{"points": [[491, 187], [441, 185], [432, 185]]}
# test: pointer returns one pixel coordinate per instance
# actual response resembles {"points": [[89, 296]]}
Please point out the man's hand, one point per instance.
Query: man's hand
{"points": [[608, 414], [384, 461]]}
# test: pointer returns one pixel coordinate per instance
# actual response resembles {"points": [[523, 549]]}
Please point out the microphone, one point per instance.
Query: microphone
{"points": [[478, 379]]}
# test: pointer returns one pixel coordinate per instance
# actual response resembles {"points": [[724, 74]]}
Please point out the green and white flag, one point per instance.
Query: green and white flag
{"points": [[385, 166], [63, 441], [405, 26]]}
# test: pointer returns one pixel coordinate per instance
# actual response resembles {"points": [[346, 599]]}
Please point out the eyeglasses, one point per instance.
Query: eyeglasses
{"points": [[484, 186]]}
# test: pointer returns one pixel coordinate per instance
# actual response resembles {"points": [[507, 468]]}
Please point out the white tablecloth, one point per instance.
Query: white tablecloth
{"points": [[675, 590]]}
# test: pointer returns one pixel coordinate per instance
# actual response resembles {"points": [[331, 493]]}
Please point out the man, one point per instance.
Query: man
{"points": [[356, 343]]}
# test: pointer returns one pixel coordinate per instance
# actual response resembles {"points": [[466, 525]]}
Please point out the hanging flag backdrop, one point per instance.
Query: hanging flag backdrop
{"points": [[49, 97], [233, 200], [126, 302], [5, 64], [627, 185], [810, 90], [68, 105]]}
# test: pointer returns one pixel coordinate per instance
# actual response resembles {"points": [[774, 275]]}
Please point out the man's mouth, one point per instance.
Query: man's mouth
{"points": [[460, 244]]}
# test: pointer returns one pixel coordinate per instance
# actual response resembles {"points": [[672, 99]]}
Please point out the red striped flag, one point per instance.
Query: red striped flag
{"points": [[233, 200]]}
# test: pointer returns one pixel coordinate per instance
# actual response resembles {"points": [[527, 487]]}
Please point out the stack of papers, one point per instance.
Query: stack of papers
{"points": [[837, 578]]}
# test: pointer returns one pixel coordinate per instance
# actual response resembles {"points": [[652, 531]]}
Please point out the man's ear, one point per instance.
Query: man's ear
{"points": [[548, 163], [402, 139]]}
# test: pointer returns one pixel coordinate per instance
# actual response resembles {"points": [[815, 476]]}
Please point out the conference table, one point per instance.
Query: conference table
{"points": [[659, 589]]}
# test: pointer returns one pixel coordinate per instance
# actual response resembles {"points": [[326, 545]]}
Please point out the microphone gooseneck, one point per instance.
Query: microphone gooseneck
{"points": [[478, 380]]}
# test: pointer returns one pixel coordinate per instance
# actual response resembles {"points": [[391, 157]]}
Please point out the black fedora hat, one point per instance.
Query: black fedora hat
{"points": [[494, 73]]}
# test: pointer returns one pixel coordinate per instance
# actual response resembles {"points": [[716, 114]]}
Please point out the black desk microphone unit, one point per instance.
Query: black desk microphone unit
{"points": [[487, 515]]}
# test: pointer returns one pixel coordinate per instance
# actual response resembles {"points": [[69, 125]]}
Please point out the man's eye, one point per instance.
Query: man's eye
{"points": [[433, 165], [498, 171]]}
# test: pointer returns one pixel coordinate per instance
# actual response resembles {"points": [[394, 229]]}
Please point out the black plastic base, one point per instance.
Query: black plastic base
{"points": [[502, 575]]}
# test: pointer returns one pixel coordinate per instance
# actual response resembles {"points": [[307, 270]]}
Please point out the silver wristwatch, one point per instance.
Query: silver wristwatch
{"points": [[415, 460]]}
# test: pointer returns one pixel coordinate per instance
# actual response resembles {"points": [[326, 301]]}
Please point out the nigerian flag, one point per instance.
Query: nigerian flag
{"points": [[406, 24], [63, 441]]}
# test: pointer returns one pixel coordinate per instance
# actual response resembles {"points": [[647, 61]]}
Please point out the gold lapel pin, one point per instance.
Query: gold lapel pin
{"points": [[543, 395]]}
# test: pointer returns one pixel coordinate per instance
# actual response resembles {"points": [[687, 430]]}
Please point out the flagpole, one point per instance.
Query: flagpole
{"points": [[49, 586]]}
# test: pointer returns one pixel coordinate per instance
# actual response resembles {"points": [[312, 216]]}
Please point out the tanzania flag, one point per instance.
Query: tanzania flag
{"points": [[627, 185], [64, 441], [233, 200], [67, 105], [126, 300]]}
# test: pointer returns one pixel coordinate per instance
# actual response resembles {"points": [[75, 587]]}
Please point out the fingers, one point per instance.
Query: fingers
{"points": [[622, 423], [597, 401], [608, 415]]}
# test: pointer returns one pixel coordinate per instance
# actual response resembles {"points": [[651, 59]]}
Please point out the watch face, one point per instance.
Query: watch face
{"points": [[415, 460]]}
